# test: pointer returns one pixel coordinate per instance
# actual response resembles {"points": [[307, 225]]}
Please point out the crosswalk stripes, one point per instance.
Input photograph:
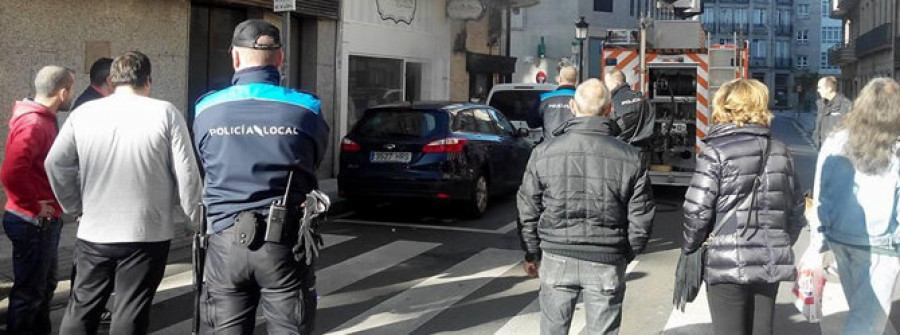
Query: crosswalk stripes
{"points": [[352, 270], [410, 309], [401, 309], [180, 285]]}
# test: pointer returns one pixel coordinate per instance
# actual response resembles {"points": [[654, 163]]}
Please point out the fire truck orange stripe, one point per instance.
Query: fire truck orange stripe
{"points": [[702, 118], [703, 83], [702, 100], [700, 133], [628, 59], [651, 57], [614, 53], [697, 59]]}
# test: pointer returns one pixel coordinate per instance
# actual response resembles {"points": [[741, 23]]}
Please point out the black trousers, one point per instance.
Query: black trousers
{"points": [[742, 309], [238, 279], [136, 269]]}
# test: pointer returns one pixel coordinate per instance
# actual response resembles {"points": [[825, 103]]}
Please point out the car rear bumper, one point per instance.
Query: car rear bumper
{"points": [[368, 187]]}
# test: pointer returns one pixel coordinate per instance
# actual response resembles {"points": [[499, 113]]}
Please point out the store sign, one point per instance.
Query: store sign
{"points": [[465, 9], [397, 10], [284, 5]]}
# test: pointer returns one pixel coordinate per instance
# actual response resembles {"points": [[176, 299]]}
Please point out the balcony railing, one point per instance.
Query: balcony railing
{"points": [[758, 62], [759, 29], [875, 40], [783, 30], [726, 28], [842, 54], [783, 63], [843, 8]]}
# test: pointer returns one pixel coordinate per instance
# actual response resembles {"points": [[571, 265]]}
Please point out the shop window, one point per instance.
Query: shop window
{"points": [[373, 81], [603, 6]]}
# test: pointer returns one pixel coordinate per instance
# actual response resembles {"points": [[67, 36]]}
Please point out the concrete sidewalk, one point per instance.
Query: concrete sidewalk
{"points": [[180, 244]]}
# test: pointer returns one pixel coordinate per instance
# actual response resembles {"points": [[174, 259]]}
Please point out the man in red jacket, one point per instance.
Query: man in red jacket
{"points": [[32, 218]]}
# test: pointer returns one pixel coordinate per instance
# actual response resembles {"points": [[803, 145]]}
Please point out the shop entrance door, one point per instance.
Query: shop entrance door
{"points": [[210, 67]]}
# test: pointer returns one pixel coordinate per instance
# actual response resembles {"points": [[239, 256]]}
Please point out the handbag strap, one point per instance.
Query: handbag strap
{"points": [[756, 182]]}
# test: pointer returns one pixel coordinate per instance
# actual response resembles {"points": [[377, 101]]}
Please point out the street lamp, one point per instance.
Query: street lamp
{"points": [[581, 33]]}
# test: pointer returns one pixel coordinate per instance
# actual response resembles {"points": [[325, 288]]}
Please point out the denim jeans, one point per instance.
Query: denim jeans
{"points": [[564, 278], [868, 281], [35, 263]]}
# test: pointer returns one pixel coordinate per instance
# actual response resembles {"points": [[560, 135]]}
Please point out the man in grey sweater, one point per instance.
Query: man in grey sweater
{"points": [[124, 163]]}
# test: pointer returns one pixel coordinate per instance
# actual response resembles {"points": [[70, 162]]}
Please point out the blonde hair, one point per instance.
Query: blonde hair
{"points": [[568, 75], [874, 126], [616, 76], [742, 101], [592, 97]]}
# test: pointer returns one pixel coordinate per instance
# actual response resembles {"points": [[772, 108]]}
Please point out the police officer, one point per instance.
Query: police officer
{"points": [[250, 137], [553, 108], [631, 112]]}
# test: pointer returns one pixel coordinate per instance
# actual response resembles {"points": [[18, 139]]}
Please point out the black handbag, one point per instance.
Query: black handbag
{"points": [[689, 270]]}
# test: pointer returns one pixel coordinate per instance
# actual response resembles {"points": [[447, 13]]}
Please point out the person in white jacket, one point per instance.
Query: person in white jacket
{"points": [[856, 201], [125, 164]]}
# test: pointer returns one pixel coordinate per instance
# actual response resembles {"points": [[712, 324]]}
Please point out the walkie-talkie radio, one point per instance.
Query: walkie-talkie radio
{"points": [[278, 213]]}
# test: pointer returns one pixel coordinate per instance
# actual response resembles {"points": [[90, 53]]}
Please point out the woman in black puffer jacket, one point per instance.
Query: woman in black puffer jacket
{"points": [[752, 253]]}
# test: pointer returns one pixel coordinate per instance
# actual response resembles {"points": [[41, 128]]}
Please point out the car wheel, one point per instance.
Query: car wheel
{"points": [[478, 204]]}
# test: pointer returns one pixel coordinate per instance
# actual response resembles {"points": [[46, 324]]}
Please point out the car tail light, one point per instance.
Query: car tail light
{"points": [[348, 145], [450, 144]]}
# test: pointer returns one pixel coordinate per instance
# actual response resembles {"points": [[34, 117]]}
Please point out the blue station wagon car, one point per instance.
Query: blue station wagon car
{"points": [[446, 151]]}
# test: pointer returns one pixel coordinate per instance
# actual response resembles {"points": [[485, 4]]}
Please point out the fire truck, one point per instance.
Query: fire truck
{"points": [[672, 63]]}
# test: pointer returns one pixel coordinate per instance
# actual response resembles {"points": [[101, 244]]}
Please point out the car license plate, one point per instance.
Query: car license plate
{"points": [[391, 157]]}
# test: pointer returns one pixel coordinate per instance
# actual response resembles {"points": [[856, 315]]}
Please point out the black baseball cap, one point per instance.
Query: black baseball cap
{"points": [[248, 33]]}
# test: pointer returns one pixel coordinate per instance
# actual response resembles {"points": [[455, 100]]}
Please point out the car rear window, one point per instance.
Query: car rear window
{"points": [[398, 123], [516, 104]]}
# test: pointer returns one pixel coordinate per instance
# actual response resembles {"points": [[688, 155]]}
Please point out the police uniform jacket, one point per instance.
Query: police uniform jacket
{"points": [[249, 136], [553, 110]]}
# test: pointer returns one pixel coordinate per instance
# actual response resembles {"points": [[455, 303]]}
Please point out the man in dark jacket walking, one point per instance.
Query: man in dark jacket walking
{"points": [[553, 109], [630, 111], [586, 209], [832, 107]]}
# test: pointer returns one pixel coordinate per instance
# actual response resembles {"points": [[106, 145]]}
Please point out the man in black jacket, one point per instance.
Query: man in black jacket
{"points": [[586, 209], [630, 111], [553, 109], [100, 86], [832, 107]]}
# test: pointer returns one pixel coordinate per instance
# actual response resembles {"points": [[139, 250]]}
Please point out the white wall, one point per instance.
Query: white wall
{"points": [[427, 39]]}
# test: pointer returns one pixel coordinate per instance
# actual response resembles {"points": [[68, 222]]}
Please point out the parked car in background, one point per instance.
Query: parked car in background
{"points": [[446, 151], [516, 101]]}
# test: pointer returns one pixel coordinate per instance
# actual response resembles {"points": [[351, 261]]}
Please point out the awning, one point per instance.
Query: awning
{"points": [[483, 63]]}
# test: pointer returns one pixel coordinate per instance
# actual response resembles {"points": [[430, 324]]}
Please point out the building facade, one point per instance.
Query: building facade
{"points": [[870, 44], [413, 50], [187, 42], [543, 36], [769, 27]]}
